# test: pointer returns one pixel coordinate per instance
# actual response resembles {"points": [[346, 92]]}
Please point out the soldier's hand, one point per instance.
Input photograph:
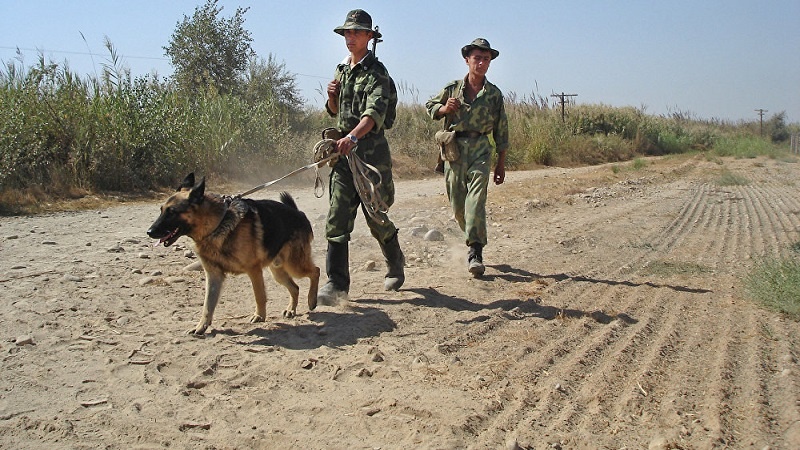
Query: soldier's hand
{"points": [[344, 145], [450, 106], [333, 89], [500, 169], [499, 175]]}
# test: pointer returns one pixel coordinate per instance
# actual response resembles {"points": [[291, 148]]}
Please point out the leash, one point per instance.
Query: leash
{"points": [[367, 190], [324, 152], [317, 181]]}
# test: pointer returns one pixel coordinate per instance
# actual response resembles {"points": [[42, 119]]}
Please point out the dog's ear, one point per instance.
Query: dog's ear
{"points": [[197, 194], [187, 182]]}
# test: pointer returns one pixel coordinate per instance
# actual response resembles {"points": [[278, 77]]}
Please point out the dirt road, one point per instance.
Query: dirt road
{"points": [[612, 315]]}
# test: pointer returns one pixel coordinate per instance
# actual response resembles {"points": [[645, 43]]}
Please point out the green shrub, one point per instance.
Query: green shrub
{"points": [[638, 163], [745, 146], [775, 283], [118, 133], [728, 178]]}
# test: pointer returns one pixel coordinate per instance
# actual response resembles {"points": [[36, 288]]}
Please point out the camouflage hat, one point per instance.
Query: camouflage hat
{"points": [[357, 19], [479, 43]]}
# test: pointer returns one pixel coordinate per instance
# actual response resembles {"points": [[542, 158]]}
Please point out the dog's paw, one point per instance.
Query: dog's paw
{"points": [[198, 331], [256, 319], [289, 314]]}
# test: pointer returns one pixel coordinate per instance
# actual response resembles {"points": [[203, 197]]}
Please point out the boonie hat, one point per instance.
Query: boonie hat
{"points": [[357, 19], [480, 43]]}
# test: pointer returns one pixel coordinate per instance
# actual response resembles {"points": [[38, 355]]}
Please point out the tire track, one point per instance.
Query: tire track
{"points": [[732, 403], [731, 413], [780, 348], [563, 395], [619, 370], [707, 217], [576, 351], [760, 220], [751, 414], [688, 214], [786, 230]]}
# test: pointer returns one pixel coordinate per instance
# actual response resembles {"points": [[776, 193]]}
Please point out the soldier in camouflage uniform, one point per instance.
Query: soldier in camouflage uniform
{"points": [[362, 100], [473, 108]]}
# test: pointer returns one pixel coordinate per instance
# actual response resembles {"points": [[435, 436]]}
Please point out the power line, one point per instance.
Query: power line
{"points": [[68, 52], [312, 76]]}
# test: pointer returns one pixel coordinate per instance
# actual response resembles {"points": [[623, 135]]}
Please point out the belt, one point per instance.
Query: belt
{"points": [[469, 134]]}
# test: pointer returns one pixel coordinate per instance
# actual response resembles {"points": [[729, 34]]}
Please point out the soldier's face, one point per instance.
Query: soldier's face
{"points": [[478, 61], [357, 40]]}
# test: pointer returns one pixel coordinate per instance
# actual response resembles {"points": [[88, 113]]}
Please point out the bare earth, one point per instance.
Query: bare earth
{"points": [[612, 315]]}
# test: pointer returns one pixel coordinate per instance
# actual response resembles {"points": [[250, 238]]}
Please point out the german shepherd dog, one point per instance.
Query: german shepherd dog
{"points": [[241, 235]]}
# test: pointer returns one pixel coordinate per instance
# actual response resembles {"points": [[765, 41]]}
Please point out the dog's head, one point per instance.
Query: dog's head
{"points": [[176, 215]]}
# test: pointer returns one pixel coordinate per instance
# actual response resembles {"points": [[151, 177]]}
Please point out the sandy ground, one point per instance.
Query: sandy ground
{"points": [[612, 315]]}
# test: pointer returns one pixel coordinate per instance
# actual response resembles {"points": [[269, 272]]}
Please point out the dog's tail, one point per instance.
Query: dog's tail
{"points": [[287, 200]]}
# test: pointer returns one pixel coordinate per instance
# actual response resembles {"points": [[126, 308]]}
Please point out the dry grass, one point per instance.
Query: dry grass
{"points": [[66, 139], [36, 201]]}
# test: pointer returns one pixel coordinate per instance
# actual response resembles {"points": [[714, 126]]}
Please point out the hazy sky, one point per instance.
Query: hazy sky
{"points": [[718, 59]]}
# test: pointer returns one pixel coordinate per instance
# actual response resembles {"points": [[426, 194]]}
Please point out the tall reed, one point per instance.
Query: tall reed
{"points": [[114, 132]]}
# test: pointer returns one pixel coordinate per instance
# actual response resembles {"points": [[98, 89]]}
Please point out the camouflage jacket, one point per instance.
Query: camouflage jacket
{"points": [[366, 90], [486, 114]]}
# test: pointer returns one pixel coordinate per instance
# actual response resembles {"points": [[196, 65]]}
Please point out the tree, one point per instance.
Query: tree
{"points": [[268, 80], [778, 131], [210, 51]]}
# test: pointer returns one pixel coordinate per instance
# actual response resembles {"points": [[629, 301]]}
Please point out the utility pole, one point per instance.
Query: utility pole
{"points": [[562, 101], [761, 119]]}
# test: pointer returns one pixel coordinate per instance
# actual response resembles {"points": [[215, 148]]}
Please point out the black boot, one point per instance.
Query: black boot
{"points": [[395, 261], [475, 260], [337, 265]]}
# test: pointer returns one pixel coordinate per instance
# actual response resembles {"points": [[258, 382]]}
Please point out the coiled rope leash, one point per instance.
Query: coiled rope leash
{"points": [[325, 152], [368, 191]]}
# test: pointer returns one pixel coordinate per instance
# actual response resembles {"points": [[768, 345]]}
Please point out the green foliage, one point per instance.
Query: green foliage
{"points": [[728, 178], [669, 268], [745, 146], [593, 134], [412, 134], [56, 129], [776, 126], [648, 135], [269, 81], [775, 283], [132, 129], [638, 164], [115, 132], [229, 136], [34, 134], [208, 51], [535, 132], [119, 133]]}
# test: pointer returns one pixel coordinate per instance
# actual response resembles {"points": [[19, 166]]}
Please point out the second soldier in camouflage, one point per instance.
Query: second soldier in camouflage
{"points": [[474, 110]]}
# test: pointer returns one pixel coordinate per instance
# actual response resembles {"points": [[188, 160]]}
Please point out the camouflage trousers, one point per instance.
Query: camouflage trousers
{"points": [[345, 201], [467, 181]]}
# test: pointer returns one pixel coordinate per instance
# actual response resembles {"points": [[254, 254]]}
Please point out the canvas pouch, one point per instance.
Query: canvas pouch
{"points": [[448, 147]]}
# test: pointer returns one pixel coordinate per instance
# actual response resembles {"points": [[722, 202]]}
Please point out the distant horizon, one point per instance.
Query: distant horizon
{"points": [[712, 60]]}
